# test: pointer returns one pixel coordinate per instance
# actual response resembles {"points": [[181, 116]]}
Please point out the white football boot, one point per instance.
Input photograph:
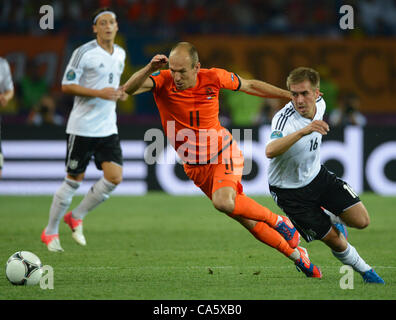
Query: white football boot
{"points": [[77, 228], [52, 242]]}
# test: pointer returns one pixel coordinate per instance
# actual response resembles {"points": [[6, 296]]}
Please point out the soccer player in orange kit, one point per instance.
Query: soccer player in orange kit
{"points": [[187, 97]]}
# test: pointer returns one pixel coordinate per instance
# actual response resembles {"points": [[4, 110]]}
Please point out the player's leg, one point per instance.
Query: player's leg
{"points": [[77, 159], [203, 177], [228, 173], [223, 189], [108, 158], [314, 224], [348, 255], [226, 200], [248, 208], [335, 240], [60, 203], [227, 197], [264, 233], [337, 222], [100, 191], [356, 216], [343, 202], [300, 206], [224, 197]]}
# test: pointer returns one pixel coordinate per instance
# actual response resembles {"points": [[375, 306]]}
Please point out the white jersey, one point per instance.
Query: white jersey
{"points": [[93, 67], [299, 165], [5, 76]]}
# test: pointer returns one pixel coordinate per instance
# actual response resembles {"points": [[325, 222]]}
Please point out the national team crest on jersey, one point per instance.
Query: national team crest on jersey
{"points": [[70, 75], [276, 134]]}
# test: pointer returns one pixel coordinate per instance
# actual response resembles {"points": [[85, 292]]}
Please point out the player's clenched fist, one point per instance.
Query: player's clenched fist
{"points": [[110, 93], [158, 61], [318, 126]]}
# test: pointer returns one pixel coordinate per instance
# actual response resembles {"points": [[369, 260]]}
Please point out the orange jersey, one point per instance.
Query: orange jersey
{"points": [[190, 117]]}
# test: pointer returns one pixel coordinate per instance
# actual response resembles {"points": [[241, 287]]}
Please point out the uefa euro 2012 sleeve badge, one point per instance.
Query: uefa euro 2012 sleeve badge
{"points": [[276, 134], [70, 75]]}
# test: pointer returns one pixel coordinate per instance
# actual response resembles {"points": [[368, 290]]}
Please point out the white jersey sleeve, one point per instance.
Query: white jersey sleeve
{"points": [[300, 164], [5, 76], [279, 127], [74, 69]]}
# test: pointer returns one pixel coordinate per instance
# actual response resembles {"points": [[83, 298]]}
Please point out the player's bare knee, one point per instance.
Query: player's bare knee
{"points": [[116, 179], [223, 205], [224, 200], [359, 223], [363, 223], [78, 177]]}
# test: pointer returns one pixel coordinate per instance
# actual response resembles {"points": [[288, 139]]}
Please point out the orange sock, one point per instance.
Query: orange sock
{"points": [[271, 237], [250, 209]]}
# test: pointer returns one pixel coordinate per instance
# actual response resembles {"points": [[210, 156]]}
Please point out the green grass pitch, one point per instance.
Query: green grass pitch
{"points": [[162, 247]]}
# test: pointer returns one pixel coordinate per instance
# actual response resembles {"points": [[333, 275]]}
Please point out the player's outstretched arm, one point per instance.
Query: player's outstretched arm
{"points": [[139, 81], [281, 145], [108, 93], [263, 89], [6, 97]]}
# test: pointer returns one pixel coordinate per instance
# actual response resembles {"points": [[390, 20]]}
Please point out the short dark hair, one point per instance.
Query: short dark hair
{"points": [[98, 11]]}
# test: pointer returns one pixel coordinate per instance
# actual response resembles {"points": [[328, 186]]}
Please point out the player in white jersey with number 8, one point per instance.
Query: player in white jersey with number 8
{"points": [[93, 77], [318, 203]]}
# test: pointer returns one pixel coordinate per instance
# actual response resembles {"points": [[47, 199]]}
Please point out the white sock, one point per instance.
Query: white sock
{"points": [[98, 193], [351, 257], [60, 203]]}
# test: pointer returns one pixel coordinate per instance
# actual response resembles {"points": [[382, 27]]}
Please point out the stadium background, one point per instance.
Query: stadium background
{"points": [[262, 39]]}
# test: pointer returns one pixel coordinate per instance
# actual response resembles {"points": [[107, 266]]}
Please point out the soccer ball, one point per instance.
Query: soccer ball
{"points": [[24, 268]]}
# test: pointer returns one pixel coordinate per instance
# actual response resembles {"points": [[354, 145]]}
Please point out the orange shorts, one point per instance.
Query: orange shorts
{"points": [[213, 176]]}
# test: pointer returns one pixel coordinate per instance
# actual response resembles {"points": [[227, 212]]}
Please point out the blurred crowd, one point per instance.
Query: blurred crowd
{"points": [[176, 17], [37, 105], [34, 102]]}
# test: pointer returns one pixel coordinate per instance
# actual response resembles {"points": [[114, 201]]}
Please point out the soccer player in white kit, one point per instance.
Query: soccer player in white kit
{"points": [[6, 94], [318, 203], [92, 76]]}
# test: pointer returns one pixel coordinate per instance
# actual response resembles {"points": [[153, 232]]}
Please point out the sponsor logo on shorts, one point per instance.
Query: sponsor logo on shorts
{"points": [[311, 233]]}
